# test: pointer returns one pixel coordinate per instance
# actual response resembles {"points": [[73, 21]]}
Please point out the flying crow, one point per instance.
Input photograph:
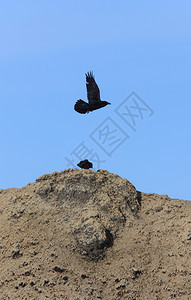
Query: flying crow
{"points": [[93, 95], [85, 164]]}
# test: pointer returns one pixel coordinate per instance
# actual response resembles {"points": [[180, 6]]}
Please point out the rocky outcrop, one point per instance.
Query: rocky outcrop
{"points": [[94, 205], [81, 234]]}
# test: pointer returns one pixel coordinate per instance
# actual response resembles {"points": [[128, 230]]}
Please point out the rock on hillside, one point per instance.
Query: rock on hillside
{"points": [[94, 206], [81, 234]]}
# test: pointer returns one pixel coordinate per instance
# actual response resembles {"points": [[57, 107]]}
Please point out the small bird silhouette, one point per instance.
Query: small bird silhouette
{"points": [[85, 164], [93, 95]]}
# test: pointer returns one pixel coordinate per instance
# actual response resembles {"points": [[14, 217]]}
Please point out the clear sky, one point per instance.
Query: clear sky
{"points": [[139, 47]]}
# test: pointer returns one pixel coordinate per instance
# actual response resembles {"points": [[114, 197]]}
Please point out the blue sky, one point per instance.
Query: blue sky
{"points": [[132, 46]]}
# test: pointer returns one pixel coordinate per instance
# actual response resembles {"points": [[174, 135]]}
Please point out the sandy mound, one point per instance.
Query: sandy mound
{"points": [[81, 234]]}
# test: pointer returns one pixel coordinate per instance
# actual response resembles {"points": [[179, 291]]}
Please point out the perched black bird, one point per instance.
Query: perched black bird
{"points": [[85, 164], [93, 95]]}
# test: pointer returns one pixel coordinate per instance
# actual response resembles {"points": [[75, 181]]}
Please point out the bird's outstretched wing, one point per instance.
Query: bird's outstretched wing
{"points": [[93, 93]]}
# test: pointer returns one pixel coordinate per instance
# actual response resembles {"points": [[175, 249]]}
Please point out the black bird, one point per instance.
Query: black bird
{"points": [[85, 164], [93, 95]]}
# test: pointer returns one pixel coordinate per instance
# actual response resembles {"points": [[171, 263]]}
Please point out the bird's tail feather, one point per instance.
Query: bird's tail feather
{"points": [[81, 107]]}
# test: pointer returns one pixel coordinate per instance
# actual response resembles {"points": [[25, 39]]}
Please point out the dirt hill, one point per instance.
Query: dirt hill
{"points": [[81, 234]]}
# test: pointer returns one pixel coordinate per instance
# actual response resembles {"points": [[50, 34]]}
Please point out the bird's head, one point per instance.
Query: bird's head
{"points": [[104, 103]]}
